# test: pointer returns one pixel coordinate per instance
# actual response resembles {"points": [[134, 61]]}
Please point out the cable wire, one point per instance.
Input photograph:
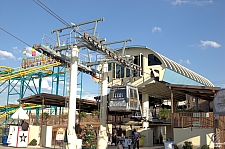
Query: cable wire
{"points": [[42, 5], [16, 37]]}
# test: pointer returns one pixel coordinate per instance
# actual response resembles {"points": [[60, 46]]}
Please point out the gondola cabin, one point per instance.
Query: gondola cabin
{"points": [[124, 99]]}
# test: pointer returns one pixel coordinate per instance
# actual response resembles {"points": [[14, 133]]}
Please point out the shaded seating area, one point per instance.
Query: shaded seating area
{"points": [[59, 118]]}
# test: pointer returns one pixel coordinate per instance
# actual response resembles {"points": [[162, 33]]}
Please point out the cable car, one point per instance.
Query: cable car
{"points": [[124, 99]]}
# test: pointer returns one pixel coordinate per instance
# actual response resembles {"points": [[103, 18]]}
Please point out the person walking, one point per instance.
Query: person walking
{"points": [[137, 135]]}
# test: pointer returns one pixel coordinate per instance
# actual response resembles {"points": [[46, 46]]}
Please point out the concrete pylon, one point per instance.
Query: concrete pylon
{"points": [[102, 137], [145, 109], [71, 133]]}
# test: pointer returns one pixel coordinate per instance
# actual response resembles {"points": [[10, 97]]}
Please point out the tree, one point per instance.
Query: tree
{"points": [[164, 113]]}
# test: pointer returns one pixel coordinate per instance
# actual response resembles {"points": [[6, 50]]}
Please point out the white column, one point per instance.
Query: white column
{"points": [[102, 137], [145, 109], [71, 134]]}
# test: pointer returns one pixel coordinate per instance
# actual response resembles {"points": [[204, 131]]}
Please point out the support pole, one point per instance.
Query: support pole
{"points": [[72, 138], [102, 137], [145, 110], [42, 111], [172, 113], [215, 126]]}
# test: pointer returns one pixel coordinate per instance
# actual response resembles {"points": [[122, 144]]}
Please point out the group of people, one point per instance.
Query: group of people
{"points": [[122, 142]]}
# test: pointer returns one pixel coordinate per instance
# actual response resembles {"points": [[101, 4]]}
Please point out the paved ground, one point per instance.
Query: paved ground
{"points": [[109, 147]]}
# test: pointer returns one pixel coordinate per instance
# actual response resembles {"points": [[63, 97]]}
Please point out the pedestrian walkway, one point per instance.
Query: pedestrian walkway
{"points": [[57, 147], [155, 147]]}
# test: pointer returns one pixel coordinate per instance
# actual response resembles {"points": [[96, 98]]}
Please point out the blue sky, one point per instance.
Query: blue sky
{"points": [[190, 32]]}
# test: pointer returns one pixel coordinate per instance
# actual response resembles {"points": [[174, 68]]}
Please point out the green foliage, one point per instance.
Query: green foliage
{"points": [[45, 115], [95, 112], [164, 113], [83, 114], [205, 146], [88, 137], [142, 136], [33, 142], [187, 145], [175, 146]]}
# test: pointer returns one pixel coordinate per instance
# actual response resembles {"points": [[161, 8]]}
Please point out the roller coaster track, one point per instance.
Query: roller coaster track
{"points": [[8, 73], [14, 110]]}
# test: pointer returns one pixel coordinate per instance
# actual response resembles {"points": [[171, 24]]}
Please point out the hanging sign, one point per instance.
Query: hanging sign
{"points": [[219, 102]]}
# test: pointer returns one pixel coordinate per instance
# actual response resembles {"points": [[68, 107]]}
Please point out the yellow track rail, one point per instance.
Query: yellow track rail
{"points": [[9, 112], [24, 72], [14, 110], [6, 69]]}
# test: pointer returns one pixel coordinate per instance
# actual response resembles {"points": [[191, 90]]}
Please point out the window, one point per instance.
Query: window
{"points": [[153, 60], [119, 71], [109, 66], [131, 93], [127, 72]]}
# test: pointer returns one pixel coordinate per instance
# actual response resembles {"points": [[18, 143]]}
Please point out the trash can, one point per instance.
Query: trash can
{"points": [[169, 144], [4, 140]]}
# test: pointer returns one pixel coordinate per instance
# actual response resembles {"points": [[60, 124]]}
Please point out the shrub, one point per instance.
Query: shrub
{"points": [[187, 145], [95, 112], [83, 114], [205, 146], [175, 146], [164, 113]]}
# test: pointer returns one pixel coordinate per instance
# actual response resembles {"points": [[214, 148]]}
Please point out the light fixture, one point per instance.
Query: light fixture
{"points": [[95, 43], [103, 48], [99, 46], [90, 39]]}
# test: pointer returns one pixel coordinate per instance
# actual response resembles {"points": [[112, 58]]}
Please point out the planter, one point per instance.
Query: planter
{"points": [[141, 142]]}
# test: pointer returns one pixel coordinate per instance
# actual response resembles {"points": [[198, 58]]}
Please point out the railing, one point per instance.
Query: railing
{"points": [[193, 119]]}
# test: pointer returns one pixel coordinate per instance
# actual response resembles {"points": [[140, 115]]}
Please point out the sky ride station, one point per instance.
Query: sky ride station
{"points": [[147, 91]]}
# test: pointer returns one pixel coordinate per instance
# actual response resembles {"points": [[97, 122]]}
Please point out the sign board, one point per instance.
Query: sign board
{"points": [[196, 123], [219, 102], [60, 134], [12, 137]]}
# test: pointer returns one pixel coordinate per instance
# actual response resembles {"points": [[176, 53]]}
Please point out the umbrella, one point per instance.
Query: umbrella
{"points": [[20, 114]]}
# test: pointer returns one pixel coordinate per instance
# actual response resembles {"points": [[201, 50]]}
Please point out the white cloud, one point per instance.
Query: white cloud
{"points": [[44, 83], [29, 53], [184, 61], [4, 54], [179, 2], [223, 86], [89, 96], [207, 43], [188, 62], [180, 61], [154, 29], [193, 2], [14, 48]]}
